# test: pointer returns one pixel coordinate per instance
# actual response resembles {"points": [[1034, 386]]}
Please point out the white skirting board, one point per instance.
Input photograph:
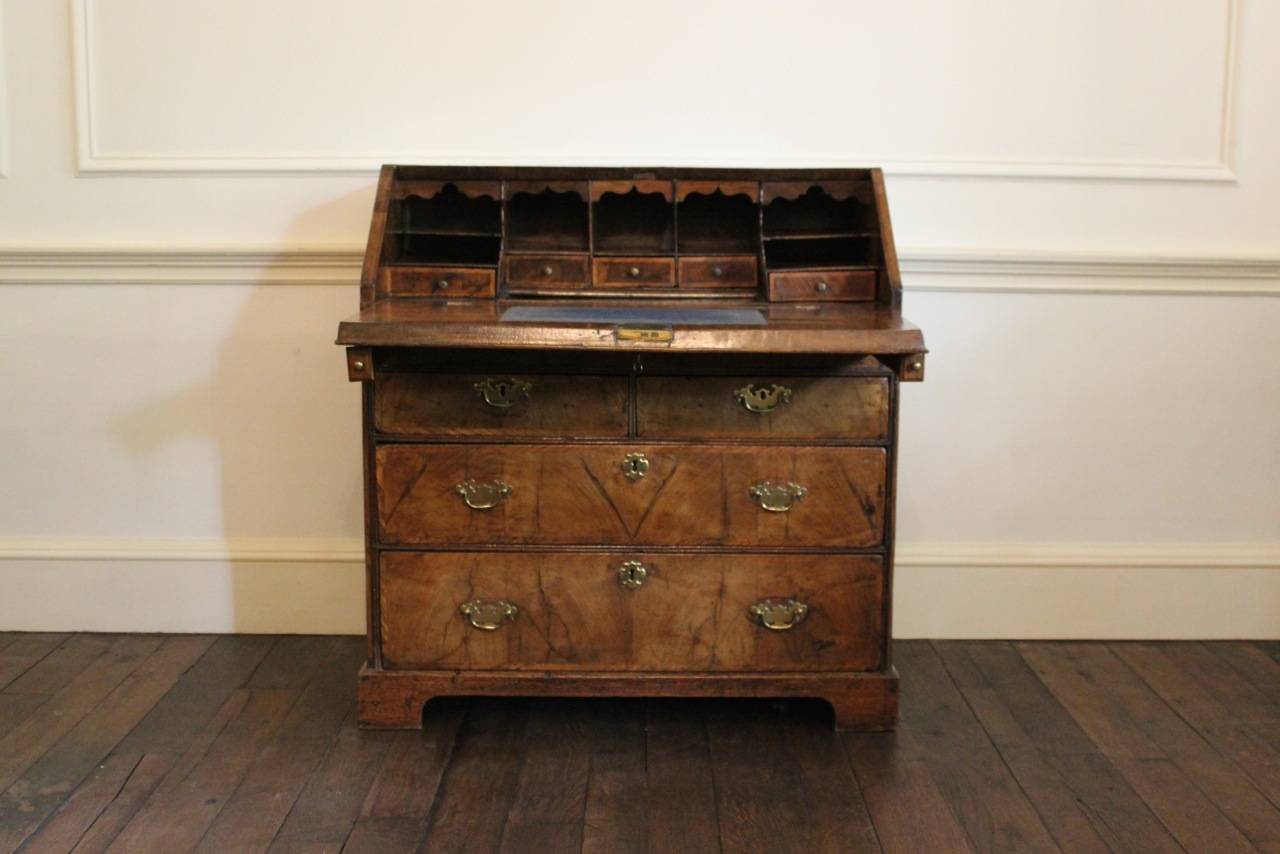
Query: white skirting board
{"points": [[942, 591]]}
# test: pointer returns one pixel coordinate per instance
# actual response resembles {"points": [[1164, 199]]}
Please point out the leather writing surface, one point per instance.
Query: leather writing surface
{"points": [[604, 314]]}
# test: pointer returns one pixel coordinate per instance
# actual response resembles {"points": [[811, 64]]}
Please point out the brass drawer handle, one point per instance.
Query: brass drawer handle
{"points": [[488, 616], [633, 272], [762, 399], [503, 394], [482, 496], [635, 466], [632, 574], [777, 497], [778, 615]]}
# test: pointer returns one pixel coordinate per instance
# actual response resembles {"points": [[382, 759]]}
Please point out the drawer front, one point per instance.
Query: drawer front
{"points": [[651, 272], [547, 271], [823, 286], [438, 282], [733, 271], [622, 494], [782, 408], [414, 404], [675, 612]]}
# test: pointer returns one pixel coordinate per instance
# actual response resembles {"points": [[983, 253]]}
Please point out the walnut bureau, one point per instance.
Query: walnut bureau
{"points": [[630, 432]]}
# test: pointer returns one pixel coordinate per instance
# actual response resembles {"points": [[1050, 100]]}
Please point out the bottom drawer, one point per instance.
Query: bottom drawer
{"points": [[633, 612]]}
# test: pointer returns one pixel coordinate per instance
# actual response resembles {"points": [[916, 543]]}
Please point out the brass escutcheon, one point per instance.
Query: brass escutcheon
{"points": [[488, 615], [778, 615], [503, 394], [777, 497], [632, 574], [482, 496], [763, 399], [635, 466]]}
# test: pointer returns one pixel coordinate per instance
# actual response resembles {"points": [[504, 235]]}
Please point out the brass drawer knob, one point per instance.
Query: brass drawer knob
{"points": [[503, 394], [633, 272], [488, 616], [777, 497], [762, 399], [482, 496], [442, 284], [547, 270], [632, 574], [822, 287], [778, 615], [718, 272], [635, 466]]}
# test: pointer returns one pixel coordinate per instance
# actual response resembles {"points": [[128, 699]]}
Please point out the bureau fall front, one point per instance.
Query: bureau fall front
{"points": [[630, 432]]}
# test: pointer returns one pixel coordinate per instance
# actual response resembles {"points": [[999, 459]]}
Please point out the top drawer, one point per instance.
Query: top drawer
{"points": [[414, 404], [784, 408]]}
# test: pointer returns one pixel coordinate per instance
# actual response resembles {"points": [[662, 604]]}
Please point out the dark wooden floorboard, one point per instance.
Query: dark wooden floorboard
{"points": [[908, 812], [395, 812], [180, 743], [177, 816], [977, 784], [22, 652], [830, 794], [679, 794], [550, 800], [1192, 788], [26, 743], [759, 787], [615, 820], [266, 794], [1080, 795], [43, 786], [481, 779]]}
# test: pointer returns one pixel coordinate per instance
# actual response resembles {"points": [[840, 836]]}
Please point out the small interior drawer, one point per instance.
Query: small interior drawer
{"points": [[823, 286], [438, 282], [547, 271], [729, 271], [650, 272]]}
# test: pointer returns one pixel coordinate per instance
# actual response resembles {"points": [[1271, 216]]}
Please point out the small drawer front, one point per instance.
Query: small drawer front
{"points": [[633, 612], [547, 271], [732, 271], [623, 494], [823, 286], [413, 404], [646, 272], [780, 408], [446, 282]]}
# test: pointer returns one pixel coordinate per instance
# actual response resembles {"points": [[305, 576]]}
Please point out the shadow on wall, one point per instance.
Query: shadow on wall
{"points": [[286, 426]]}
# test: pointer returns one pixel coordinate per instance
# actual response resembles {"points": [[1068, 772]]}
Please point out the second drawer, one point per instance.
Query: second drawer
{"points": [[618, 494]]}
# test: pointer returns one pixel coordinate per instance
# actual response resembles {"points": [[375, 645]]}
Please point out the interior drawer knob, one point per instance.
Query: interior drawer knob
{"points": [[718, 272], [633, 272], [442, 284], [503, 394], [482, 496], [547, 270], [778, 615], [822, 287], [488, 616], [777, 497], [632, 574], [763, 399]]}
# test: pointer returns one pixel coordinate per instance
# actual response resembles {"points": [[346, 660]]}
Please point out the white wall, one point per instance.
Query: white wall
{"points": [[1086, 198]]}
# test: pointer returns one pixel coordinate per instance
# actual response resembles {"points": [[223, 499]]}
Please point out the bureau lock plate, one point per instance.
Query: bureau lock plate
{"points": [[645, 334]]}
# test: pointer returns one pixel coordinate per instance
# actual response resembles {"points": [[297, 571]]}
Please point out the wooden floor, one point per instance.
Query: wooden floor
{"points": [[146, 743]]}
